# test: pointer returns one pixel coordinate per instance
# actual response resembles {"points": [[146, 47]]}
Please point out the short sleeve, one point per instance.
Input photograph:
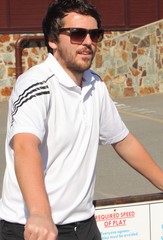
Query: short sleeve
{"points": [[112, 128], [28, 108]]}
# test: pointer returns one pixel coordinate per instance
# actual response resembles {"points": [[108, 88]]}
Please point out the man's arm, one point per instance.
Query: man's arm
{"points": [[132, 151], [29, 172]]}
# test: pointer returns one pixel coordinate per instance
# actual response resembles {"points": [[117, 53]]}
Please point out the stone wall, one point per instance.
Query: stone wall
{"points": [[131, 63], [32, 53]]}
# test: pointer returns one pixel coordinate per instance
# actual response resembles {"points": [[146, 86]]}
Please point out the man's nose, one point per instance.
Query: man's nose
{"points": [[87, 40]]}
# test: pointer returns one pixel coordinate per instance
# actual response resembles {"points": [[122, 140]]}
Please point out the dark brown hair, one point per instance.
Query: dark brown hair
{"points": [[58, 9]]}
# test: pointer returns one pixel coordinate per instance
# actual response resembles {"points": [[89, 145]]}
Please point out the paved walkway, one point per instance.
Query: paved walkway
{"points": [[144, 118]]}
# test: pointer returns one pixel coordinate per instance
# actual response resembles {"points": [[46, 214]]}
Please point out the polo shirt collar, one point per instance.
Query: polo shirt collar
{"points": [[59, 72]]}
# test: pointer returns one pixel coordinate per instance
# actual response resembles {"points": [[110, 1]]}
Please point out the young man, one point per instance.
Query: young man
{"points": [[59, 112]]}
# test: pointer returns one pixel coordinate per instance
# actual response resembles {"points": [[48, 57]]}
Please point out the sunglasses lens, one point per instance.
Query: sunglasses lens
{"points": [[78, 35], [96, 35]]}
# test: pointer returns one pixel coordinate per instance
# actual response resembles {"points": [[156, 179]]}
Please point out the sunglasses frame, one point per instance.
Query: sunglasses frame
{"points": [[85, 31]]}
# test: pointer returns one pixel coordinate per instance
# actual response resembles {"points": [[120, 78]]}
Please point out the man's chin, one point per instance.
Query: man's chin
{"points": [[86, 64], [84, 68]]}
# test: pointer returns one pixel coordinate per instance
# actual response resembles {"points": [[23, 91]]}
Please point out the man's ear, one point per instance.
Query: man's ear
{"points": [[52, 45]]}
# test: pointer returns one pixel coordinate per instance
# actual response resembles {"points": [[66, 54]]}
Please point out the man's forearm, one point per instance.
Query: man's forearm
{"points": [[132, 151], [29, 173]]}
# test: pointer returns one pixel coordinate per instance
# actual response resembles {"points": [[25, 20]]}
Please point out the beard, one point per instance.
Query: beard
{"points": [[80, 67], [75, 62]]}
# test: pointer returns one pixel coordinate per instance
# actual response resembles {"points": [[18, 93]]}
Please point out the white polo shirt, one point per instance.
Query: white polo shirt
{"points": [[70, 123]]}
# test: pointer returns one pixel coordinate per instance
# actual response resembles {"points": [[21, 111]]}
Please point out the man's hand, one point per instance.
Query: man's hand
{"points": [[40, 228]]}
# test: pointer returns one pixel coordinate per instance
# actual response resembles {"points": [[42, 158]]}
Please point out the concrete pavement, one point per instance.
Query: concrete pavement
{"points": [[144, 117]]}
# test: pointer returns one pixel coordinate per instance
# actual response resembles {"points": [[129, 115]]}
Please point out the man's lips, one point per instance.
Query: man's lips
{"points": [[88, 54], [85, 53]]}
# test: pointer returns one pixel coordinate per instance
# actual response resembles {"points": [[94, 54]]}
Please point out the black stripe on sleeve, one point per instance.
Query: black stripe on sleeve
{"points": [[35, 90]]}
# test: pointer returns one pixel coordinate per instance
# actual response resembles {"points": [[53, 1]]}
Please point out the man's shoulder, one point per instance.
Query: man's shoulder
{"points": [[37, 74], [39, 71], [36, 79]]}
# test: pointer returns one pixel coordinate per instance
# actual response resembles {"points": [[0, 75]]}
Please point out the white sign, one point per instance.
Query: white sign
{"points": [[157, 221], [139, 221]]}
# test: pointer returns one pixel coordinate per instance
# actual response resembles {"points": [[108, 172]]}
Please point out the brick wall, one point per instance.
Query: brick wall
{"points": [[131, 63]]}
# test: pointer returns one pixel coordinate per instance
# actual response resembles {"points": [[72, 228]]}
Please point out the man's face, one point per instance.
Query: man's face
{"points": [[76, 58]]}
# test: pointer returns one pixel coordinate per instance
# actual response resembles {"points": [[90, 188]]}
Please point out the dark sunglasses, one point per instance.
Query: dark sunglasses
{"points": [[77, 35]]}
